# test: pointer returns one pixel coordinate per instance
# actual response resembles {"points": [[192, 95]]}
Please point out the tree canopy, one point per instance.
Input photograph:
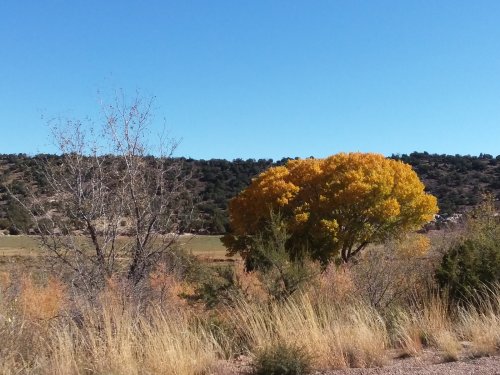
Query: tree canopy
{"points": [[458, 182], [332, 207]]}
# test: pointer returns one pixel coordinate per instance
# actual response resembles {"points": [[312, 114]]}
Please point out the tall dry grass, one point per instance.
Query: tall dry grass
{"points": [[108, 336], [335, 336], [480, 325], [427, 322], [46, 330], [118, 342], [457, 331]]}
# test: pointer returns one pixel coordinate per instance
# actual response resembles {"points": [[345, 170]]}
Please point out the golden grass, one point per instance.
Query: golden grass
{"points": [[24, 254], [205, 246], [114, 341], [428, 322], [110, 336], [481, 325], [46, 330], [19, 245], [334, 336]]}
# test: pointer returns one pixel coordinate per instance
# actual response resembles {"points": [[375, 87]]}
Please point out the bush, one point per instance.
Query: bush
{"points": [[468, 267], [410, 271], [473, 263], [18, 216], [14, 231], [281, 274], [282, 359], [181, 263], [215, 285]]}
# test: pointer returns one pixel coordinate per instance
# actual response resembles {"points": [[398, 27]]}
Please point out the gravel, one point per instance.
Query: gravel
{"points": [[483, 366], [429, 363]]}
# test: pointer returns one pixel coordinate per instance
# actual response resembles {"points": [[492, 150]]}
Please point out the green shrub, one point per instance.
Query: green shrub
{"points": [[468, 267], [281, 274], [473, 264], [215, 285], [282, 359]]}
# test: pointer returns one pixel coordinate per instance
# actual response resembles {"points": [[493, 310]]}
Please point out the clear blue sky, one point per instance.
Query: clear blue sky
{"points": [[261, 79]]}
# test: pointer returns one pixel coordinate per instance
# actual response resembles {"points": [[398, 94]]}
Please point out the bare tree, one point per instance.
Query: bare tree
{"points": [[113, 208]]}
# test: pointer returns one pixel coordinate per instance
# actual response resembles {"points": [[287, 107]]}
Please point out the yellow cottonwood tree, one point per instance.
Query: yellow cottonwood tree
{"points": [[332, 207]]}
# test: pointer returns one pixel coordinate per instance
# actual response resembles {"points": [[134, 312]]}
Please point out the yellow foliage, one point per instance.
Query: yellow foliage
{"points": [[337, 205], [413, 244]]}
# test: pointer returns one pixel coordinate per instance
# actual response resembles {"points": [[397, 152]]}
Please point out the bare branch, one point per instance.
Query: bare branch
{"points": [[95, 198]]}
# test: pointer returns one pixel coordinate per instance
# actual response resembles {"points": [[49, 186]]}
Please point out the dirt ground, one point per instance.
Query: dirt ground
{"points": [[429, 363], [424, 366]]}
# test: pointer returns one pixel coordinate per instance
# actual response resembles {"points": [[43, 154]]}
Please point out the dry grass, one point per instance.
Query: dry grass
{"points": [[113, 335], [428, 322], [41, 302], [45, 329], [118, 342], [18, 245], [203, 245], [481, 326], [407, 334], [437, 323], [351, 336], [108, 336]]}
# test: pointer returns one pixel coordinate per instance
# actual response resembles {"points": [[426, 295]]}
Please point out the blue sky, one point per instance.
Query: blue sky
{"points": [[261, 79]]}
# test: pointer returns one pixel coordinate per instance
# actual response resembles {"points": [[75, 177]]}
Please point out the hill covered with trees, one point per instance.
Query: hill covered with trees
{"points": [[459, 182]]}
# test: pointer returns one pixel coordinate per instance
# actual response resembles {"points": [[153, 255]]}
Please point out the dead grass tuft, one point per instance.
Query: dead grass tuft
{"points": [[352, 336], [481, 325], [428, 322]]}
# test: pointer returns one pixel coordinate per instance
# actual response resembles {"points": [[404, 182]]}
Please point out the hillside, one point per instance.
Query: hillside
{"points": [[457, 181]]}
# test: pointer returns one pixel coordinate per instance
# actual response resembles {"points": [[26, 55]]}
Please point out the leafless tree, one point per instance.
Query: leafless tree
{"points": [[112, 208]]}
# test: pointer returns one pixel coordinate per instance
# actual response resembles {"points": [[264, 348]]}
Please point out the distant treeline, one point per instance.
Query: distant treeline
{"points": [[457, 181]]}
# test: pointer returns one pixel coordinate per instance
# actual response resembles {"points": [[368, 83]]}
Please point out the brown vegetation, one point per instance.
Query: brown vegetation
{"points": [[48, 328]]}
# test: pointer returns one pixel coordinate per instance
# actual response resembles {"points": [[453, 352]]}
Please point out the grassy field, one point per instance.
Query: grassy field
{"points": [[207, 247], [18, 246], [22, 253], [204, 246]]}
